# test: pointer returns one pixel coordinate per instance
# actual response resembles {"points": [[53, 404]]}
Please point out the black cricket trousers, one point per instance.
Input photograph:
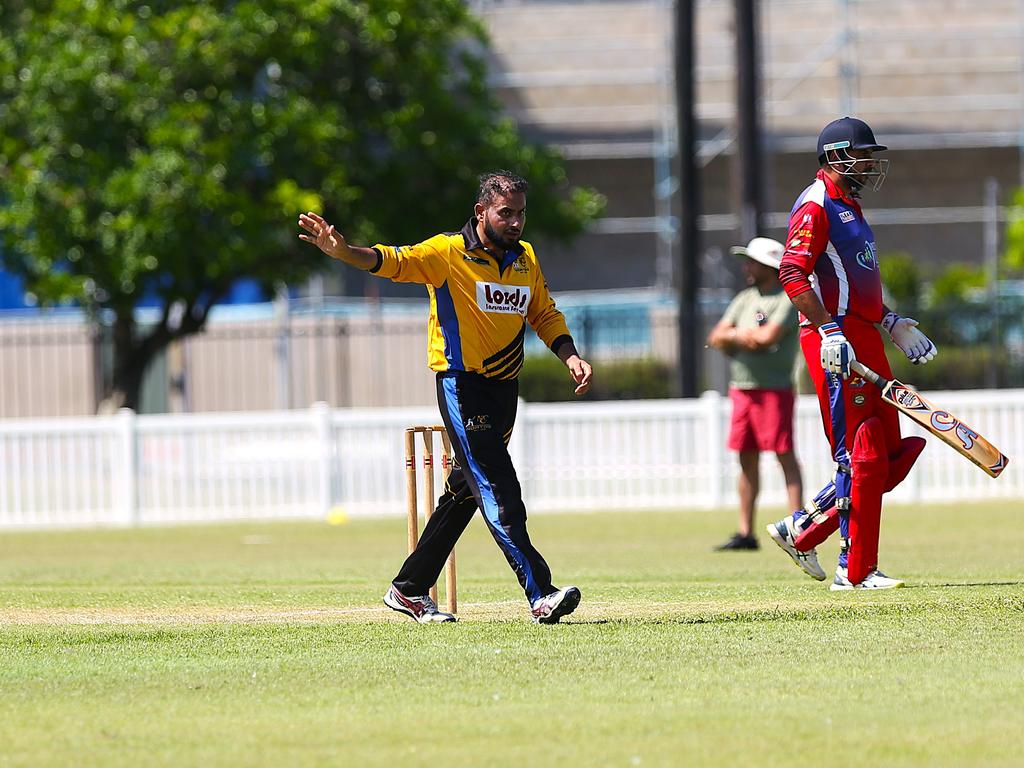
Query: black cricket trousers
{"points": [[479, 414]]}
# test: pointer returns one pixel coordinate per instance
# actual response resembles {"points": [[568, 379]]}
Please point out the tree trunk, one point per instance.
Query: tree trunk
{"points": [[131, 359], [133, 351]]}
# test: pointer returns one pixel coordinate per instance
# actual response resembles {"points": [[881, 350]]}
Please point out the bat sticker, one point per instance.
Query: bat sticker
{"points": [[908, 398]]}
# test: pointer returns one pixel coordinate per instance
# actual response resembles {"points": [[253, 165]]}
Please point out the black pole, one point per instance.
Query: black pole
{"points": [[689, 237], [747, 159]]}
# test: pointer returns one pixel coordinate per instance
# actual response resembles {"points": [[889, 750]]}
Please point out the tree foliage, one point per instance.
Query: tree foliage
{"points": [[956, 282], [164, 148], [901, 278]]}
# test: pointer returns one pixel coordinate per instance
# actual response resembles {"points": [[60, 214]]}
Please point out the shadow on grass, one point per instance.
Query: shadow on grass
{"points": [[967, 584], [844, 611]]}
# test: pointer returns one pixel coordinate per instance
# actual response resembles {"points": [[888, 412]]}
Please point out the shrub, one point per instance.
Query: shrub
{"points": [[959, 368], [902, 279], [545, 379]]}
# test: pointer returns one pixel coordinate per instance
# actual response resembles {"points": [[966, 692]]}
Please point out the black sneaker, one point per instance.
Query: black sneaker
{"points": [[738, 542]]}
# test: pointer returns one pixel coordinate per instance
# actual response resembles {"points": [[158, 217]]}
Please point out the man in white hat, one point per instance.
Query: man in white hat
{"points": [[759, 332]]}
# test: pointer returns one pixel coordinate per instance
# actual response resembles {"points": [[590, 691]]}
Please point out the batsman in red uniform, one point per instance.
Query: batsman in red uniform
{"points": [[830, 272]]}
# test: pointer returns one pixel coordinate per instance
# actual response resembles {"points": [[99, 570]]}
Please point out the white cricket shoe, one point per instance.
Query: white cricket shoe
{"points": [[422, 608], [550, 608], [783, 533], [874, 580]]}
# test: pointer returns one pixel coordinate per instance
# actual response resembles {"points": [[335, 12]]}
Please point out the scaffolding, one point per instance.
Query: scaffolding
{"points": [[594, 78]]}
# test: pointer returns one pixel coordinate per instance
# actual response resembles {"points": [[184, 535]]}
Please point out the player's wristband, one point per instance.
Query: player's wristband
{"points": [[889, 321], [830, 329]]}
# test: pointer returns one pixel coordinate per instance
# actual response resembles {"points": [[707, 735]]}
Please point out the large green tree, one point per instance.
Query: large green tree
{"points": [[166, 148]]}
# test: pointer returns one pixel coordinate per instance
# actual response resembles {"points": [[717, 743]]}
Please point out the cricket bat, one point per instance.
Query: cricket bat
{"points": [[940, 423]]}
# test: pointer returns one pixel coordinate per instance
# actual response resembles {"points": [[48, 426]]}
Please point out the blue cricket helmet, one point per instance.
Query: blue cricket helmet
{"points": [[847, 133]]}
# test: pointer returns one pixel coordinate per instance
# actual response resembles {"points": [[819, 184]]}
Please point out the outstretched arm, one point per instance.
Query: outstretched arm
{"points": [[327, 239]]}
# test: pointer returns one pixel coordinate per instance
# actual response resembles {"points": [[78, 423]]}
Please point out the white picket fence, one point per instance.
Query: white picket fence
{"points": [[667, 454]]}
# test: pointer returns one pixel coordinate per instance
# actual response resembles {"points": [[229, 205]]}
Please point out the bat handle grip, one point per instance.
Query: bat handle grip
{"points": [[859, 368]]}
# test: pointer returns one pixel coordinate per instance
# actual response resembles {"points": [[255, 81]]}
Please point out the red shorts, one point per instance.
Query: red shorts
{"points": [[762, 420]]}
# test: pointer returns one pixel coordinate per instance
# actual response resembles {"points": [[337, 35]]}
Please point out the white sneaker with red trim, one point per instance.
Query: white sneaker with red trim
{"points": [[421, 609], [550, 608]]}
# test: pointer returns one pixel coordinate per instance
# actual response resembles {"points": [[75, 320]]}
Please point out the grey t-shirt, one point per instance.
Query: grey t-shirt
{"points": [[769, 368]]}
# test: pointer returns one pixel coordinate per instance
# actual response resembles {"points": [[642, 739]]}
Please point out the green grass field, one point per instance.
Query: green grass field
{"points": [[268, 645]]}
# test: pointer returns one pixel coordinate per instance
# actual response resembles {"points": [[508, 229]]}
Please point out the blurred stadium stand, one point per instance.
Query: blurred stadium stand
{"points": [[942, 85]]}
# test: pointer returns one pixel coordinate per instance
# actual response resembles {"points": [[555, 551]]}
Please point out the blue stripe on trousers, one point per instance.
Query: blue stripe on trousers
{"points": [[489, 503], [840, 453]]}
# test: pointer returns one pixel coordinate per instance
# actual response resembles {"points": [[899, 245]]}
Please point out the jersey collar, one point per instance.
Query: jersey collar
{"points": [[473, 243], [834, 191]]}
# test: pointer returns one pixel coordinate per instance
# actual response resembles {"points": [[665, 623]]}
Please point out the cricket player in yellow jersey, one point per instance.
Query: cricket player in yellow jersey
{"points": [[484, 284]]}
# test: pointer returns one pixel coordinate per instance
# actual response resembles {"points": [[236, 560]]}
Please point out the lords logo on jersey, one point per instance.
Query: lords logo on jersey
{"points": [[504, 299]]}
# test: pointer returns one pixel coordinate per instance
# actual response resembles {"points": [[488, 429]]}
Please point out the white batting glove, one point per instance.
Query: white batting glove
{"points": [[836, 352], [904, 334]]}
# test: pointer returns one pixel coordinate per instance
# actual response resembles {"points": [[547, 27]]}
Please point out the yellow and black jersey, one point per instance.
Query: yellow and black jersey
{"points": [[480, 301]]}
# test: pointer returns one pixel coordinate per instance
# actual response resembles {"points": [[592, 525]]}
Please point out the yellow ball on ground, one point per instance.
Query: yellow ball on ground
{"points": [[337, 516]]}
